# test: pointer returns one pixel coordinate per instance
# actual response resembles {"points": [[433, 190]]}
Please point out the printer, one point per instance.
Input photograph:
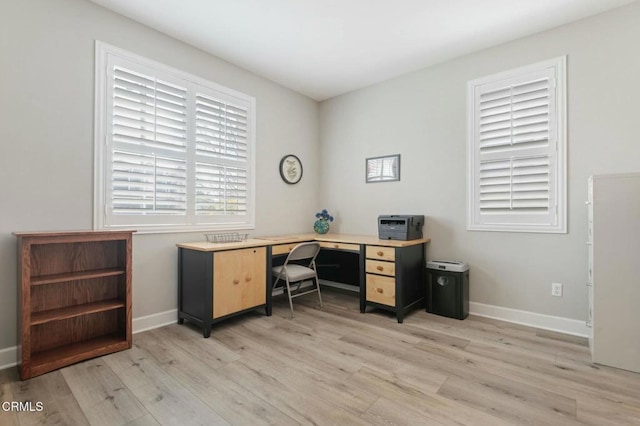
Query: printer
{"points": [[400, 227]]}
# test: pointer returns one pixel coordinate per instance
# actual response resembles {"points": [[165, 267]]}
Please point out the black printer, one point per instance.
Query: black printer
{"points": [[400, 227]]}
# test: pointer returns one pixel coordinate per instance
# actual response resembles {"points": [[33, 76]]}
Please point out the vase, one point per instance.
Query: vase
{"points": [[321, 226]]}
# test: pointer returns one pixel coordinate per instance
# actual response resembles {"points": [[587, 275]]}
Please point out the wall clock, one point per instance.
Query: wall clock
{"points": [[291, 169]]}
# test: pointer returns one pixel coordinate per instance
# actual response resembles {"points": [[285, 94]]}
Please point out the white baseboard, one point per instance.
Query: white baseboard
{"points": [[8, 357], [152, 321], [532, 319]]}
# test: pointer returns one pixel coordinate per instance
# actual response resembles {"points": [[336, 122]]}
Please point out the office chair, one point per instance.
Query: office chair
{"points": [[296, 272]]}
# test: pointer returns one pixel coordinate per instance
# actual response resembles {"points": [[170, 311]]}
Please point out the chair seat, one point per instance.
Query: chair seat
{"points": [[295, 272]]}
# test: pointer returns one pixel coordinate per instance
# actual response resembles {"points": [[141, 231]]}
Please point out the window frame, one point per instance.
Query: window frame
{"points": [[557, 156], [103, 157]]}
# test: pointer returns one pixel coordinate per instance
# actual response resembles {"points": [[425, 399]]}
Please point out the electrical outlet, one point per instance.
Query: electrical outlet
{"points": [[556, 289]]}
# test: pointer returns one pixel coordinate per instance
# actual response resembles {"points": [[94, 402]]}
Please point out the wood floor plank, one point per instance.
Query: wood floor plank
{"points": [[384, 412], [291, 343], [291, 392], [351, 320], [620, 381], [338, 354], [284, 358], [146, 420], [512, 401], [223, 395], [576, 340], [104, 399], [573, 379], [8, 417], [209, 351], [402, 352], [163, 397], [544, 374], [596, 411], [496, 332], [60, 405], [408, 398]]}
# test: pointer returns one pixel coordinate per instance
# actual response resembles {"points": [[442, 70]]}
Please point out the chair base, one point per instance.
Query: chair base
{"points": [[296, 293]]}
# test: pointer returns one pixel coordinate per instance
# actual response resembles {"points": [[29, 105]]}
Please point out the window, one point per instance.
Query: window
{"points": [[173, 151], [517, 150]]}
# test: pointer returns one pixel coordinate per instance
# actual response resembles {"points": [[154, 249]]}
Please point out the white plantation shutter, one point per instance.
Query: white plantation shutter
{"points": [[220, 189], [221, 129], [148, 146], [222, 152], [516, 150], [144, 184], [172, 150]]}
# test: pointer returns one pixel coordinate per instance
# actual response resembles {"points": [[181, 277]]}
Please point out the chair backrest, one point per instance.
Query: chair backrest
{"points": [[304, 251]]}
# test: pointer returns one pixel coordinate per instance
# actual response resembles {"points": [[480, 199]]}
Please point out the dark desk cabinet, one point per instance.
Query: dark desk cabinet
{"points": [[215, 285], [394, 278]]}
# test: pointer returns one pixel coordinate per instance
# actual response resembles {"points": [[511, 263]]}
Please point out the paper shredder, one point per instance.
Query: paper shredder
{"points": [[448, 288]]}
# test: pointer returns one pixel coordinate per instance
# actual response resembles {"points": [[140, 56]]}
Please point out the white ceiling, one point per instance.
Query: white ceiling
{"points": [[323, 48]]}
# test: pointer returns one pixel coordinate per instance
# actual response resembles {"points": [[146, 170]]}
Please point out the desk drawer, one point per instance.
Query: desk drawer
{"points": [[381, 253], [339, 246], [381, 267], [381, 289], [283, 248]]}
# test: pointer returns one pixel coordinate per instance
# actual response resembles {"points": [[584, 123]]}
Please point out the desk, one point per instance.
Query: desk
{"points": [[220, 280]]}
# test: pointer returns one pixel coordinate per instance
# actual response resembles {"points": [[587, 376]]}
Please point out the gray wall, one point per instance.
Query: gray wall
{"points": [[46, 139], [423, 117]]}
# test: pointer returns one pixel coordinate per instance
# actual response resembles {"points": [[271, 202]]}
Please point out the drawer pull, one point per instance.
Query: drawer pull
{"points": [[380, 268], [380, 253], [236, 281], [379, 290], [247, 279]]}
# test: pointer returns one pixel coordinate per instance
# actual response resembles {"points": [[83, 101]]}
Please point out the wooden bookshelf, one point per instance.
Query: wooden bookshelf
{"points": [[75, 297]]}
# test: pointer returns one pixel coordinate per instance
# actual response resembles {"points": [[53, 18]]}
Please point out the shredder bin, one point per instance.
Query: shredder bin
{"points": [[448, 288]]}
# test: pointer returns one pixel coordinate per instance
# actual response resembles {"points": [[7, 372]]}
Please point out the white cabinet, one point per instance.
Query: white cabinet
{"points": [[613, 240]]}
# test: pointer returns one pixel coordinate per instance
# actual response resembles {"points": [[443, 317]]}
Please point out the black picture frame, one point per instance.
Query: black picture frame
{"points": [[291, 169]]}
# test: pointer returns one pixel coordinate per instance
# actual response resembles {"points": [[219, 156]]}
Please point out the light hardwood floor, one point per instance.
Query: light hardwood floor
{"points": [[335, 366]]}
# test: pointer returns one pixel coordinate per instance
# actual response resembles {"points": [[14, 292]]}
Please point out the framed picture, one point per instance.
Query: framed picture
{"points": [[291, 169], [383, 169]]}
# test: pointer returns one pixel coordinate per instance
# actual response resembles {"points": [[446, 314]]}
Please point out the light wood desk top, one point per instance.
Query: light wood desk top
{"points": [[206, 246], [368, 239], [295, 238]]}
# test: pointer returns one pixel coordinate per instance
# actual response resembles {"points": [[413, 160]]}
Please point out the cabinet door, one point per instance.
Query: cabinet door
{"points": [[239, 280]]}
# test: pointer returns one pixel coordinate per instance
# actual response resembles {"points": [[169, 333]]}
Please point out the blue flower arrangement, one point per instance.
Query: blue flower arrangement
{"points": [[322, 224], [324, 215]]}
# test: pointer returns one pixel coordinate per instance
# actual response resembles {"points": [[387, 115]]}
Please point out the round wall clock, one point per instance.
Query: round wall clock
{"points": [[291, 169]]}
